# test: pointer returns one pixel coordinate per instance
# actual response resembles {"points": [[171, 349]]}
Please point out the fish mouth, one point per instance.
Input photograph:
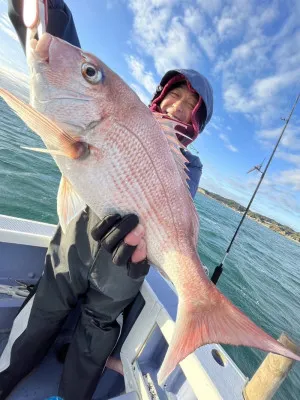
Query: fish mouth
{"points": [[41, 47]]}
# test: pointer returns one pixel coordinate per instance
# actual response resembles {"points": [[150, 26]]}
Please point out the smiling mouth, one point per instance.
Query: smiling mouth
{"points": [[172, 116]]}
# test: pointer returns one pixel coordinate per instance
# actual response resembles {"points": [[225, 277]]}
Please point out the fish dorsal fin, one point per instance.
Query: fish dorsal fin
{"points": [[170, 128], [69, 203]]}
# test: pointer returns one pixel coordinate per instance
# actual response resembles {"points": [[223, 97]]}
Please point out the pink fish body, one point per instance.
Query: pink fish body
{"points": [[115, 157]]}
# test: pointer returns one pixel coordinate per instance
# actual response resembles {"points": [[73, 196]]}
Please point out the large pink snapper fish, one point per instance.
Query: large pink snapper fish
{"points": [[116, 157]]}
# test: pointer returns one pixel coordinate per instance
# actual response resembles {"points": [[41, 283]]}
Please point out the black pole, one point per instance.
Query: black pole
{"points": [[219, 269]]}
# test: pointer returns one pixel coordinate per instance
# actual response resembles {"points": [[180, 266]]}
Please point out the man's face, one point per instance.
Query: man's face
{"points": [[179, 104]]}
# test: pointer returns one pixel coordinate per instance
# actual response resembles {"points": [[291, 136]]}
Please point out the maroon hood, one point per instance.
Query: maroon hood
{"points": [[192, 129]]}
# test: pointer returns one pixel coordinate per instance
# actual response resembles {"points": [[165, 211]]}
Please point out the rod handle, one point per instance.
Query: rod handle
{"points": [[217, 273]]}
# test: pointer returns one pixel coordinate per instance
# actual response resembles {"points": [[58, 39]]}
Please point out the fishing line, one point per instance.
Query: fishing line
{"points": [[219, 269]]}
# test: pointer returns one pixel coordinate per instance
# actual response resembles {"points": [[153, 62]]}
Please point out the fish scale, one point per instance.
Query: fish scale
{"points": [[134, 164], [143, 192]]}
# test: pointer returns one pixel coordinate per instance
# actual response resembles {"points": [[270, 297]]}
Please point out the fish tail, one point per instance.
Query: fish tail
{"points": [[215, 320]]}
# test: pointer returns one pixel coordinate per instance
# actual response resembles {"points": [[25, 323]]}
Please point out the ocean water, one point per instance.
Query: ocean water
{"points": [[262, 271]]}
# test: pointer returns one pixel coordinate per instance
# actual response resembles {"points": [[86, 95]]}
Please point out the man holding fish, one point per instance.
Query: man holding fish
{"points": [[118, 159], [103, 262]]}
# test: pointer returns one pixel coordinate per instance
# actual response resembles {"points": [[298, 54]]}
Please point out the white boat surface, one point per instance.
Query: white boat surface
{"points": [[207, 374]]}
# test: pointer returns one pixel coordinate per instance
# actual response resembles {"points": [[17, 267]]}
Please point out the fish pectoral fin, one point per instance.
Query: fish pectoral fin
{"points": [[69, 203], [216, 320], [39, 150], [50, 132]]}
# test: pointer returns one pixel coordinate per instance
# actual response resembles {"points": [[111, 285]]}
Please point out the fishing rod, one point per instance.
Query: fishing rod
{"points": [[219, 269]]}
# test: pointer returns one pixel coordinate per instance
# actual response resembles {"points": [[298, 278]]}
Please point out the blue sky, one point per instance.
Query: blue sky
{"points": [[249, 51]]}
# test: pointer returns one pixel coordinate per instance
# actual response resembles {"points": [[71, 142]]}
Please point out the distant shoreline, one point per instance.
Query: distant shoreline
{"points": [[275, 226]]}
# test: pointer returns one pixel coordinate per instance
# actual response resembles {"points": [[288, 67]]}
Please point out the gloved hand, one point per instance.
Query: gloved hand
{"points": [[123, 237]]}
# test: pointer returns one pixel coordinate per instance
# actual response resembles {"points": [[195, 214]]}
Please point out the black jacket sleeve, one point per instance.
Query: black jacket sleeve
{"points": [[60, 21], [194, 171]]}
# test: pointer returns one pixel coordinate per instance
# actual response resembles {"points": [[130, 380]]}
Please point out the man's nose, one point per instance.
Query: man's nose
{"points": [[177, 105]]}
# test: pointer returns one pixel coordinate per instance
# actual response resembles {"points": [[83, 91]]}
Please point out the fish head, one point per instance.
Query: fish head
{"points": [[74, 88]]}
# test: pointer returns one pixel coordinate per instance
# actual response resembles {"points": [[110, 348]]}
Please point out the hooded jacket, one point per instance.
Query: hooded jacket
{"points": [[200, 118]]}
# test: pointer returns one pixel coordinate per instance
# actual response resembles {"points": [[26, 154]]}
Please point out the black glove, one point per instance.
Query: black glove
{"points": [[111, 232]]}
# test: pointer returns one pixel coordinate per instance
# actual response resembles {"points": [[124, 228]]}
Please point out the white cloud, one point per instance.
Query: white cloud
{"points": [[208, 40], [261, 17], [292, 158], [149, 21], [194, 20], [137, 69], [272, 85], [280, 206], [290, 177], [290, 139], [258, 100], [139, 91], [291, 23], [236, 100], [272, 200], [212, 124], [227, 143], [261, 66], [231, 23], [248, 56], [162, 36], [211, 7], [269, 15], [269, 133], [225, 24], [287, 52], [217, 123], [176, 50], [232, 148]]}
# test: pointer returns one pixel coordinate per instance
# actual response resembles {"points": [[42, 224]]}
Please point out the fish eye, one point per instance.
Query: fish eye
{"points": [[91, 73]]}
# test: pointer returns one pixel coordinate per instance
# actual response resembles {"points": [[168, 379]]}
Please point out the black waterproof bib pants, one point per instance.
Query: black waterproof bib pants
{"points": [[75, 268]]}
